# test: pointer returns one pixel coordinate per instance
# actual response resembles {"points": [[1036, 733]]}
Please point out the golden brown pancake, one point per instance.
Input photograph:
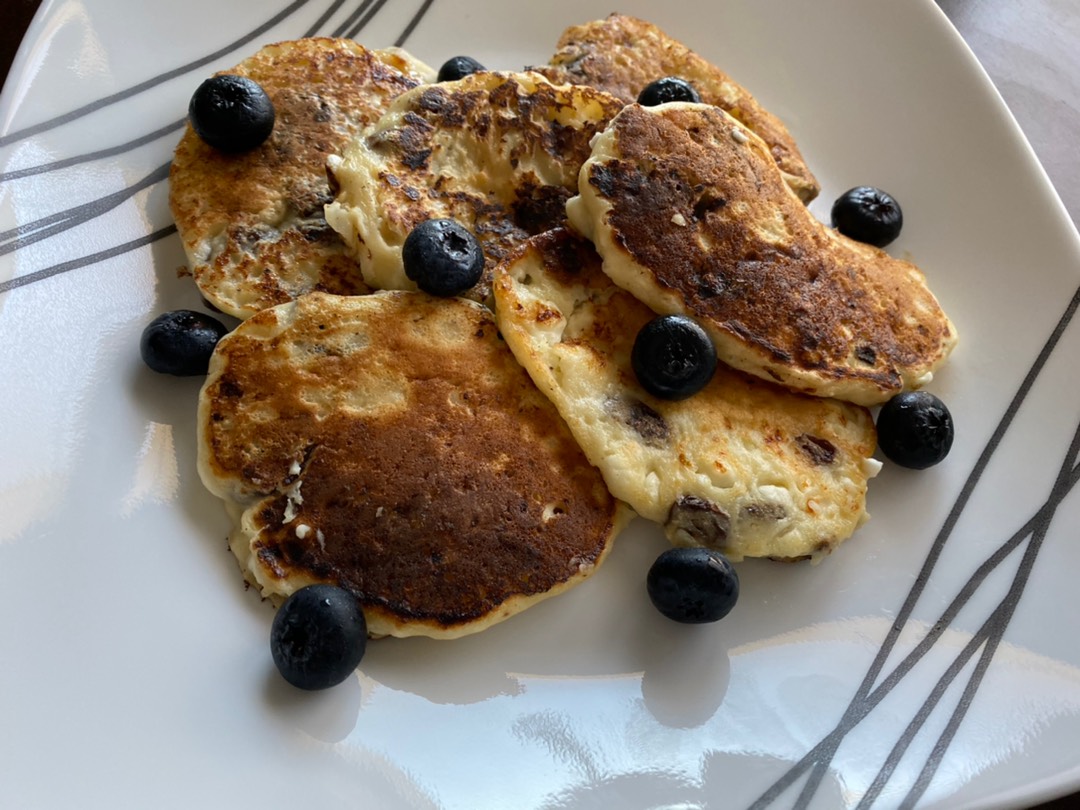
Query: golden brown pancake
{"points": [[743, 466], [622, 55], [391, 444], [498, 152], [691, 215], [252, 224]]}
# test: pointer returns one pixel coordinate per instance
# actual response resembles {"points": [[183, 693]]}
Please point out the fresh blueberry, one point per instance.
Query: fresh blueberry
{"points": [[180, 342], [693, 585], [869, 215], [672, 357], [915, 430], [670, 88], [442, 257], [231, 113], [458, 68], [318, 637]]}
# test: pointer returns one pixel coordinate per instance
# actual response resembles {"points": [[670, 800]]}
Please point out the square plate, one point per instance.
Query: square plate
{"points": [[928, 661]]}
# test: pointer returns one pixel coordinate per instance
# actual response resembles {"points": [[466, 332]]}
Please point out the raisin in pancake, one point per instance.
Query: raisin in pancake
{"points": [[622, 55], [390, 443], [498, 152], [744, 466], [252, 224], [691, 215]]}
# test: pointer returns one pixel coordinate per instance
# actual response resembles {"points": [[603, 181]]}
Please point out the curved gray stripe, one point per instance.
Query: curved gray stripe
{"points": [[93, 106], [67, 218], [31, 232], [111, 151], [84, 261], [820, 756], [415, 21]]}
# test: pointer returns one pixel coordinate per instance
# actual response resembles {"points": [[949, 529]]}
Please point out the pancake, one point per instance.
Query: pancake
{"points": [[391, 444], [498, 152], [743, 466], [621, 55], [692, 216], [252, 224]]}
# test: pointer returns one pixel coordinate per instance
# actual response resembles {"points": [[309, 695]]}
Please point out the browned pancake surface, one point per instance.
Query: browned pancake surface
{"points": [[692, 215], [252, 224], [744, 466], [392, 444], [622, 55], [497, 152]]}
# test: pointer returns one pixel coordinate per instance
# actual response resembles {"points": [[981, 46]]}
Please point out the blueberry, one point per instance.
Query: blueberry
{"points": [[458, 68], [442, 257], [672, 357], [915, 430], [670, 88], [180, 342], [869, 215], [231, 113], [693, 585], [318, 637]]}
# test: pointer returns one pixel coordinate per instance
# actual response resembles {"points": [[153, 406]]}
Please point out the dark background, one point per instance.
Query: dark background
{"points": [[13, 21]]}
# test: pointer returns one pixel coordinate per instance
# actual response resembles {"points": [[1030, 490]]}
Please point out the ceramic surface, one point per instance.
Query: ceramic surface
{"points": [[933, 660]]}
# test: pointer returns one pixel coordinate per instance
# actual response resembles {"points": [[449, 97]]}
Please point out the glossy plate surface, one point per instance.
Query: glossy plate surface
{"points": [[932, 660]]}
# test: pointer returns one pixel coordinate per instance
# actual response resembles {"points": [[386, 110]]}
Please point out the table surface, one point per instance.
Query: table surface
{"points": [[1031, 51]]}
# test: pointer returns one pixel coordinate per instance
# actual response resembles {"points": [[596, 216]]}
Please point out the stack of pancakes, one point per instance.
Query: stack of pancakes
{"points": [[452, 461]]}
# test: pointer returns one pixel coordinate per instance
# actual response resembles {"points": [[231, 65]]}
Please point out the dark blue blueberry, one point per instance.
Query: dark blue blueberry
{"points": [[869, 215], [231, 113], [458, 68], [318, 637], [181, 342], [670, 88], [672, 357], [915, 430], [693, 585], [442, 258]]}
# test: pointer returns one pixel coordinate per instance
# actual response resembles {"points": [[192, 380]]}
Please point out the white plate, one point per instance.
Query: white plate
{"points": [[134, 668]]}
